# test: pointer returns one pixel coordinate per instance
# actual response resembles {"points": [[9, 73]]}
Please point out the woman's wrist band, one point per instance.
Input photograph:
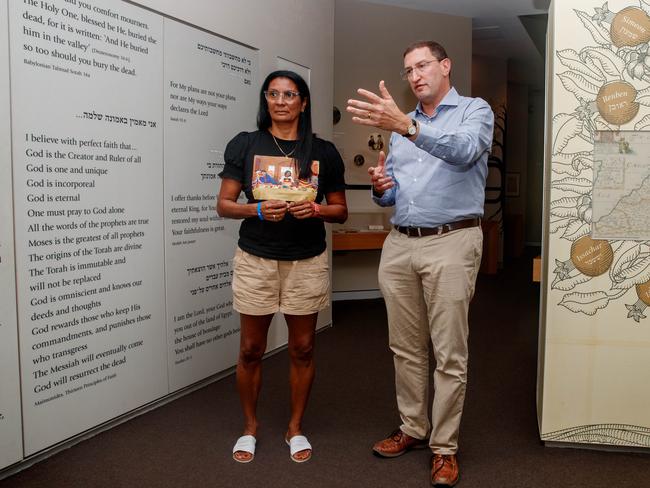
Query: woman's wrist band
{"points": [[316, 209], [259, 211]]}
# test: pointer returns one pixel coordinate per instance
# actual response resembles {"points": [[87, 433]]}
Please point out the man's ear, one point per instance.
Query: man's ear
{"points": [[445, 64]]}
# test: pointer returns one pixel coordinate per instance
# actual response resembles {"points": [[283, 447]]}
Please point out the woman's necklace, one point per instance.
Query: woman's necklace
{"points": [[286, 155]]}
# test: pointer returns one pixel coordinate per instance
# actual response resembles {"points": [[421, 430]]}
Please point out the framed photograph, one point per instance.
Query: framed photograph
{"points": [[512, 184], [276, 178]]}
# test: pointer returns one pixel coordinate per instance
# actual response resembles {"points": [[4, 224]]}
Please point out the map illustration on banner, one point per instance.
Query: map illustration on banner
{"points": [[621, 191]]}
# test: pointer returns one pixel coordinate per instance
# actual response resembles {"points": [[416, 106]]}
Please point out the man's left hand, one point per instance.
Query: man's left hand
{"points": [[379, 111]]}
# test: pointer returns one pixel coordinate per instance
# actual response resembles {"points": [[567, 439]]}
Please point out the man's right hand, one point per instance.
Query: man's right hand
{"points": [[380, 182]]}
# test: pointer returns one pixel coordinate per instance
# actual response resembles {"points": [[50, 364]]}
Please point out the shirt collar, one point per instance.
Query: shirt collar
{"points": [[451, 99]]}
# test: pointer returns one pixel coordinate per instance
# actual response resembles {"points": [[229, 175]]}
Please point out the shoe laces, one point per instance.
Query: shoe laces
{"points": [[396, 435], [439, 461]]}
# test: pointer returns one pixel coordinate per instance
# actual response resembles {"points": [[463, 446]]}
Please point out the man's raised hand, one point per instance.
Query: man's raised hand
{"points": [[380, 182], [379, 111]]}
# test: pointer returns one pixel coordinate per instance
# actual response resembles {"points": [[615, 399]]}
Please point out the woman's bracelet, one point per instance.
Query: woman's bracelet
{"points": [[316, 208], [259, 211]]}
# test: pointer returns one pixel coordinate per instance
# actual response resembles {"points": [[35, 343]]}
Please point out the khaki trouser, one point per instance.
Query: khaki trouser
{"points": [[428, 283]]}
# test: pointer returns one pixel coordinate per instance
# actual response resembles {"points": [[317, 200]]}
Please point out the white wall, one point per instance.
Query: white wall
{"points": [[490, 80]]}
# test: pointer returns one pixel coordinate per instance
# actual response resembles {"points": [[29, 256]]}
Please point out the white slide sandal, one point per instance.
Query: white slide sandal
{"points": [[245, 443], [296, 444]]}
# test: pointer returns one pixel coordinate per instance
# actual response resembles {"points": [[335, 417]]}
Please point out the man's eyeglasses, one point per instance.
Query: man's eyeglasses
{"points": [[274, 95], [406, 73]]}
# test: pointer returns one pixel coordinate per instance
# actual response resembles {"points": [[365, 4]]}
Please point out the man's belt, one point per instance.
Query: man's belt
{"points": [[441, 229]]}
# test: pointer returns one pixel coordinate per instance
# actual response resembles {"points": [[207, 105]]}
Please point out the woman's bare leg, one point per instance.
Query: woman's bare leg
{"points": [[302, 329], [252, 345]]}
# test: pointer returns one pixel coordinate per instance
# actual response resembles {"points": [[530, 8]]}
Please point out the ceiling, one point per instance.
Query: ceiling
{"points": [[497, 29]]}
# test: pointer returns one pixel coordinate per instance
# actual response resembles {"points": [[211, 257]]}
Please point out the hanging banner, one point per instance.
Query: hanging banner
{"points": [[11, 448], [211, 93], [595, 339], [87, 156]]}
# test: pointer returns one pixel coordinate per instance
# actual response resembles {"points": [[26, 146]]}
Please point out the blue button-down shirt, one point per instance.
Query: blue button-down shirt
{"points": [[440, 177]]}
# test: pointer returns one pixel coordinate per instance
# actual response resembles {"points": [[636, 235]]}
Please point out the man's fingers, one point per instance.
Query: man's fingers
{"points": [[361, 113], [364, 121], [369, 95], [381, 160], [383, 90], [384, 184], [359, 105], [369, 122]]}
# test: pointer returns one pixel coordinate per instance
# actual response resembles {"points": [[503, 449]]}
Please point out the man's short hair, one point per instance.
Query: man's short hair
{"points": [[436, 49]]}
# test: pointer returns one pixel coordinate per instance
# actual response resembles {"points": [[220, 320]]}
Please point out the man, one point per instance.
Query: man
{"points": [[435, 177], [263, 177]]}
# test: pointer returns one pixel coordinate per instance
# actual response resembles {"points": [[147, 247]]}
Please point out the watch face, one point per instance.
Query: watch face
{"points": [[412, 129]]}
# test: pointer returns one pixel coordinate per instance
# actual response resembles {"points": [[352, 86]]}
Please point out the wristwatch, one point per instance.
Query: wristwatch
{"points": [[412, 129]]}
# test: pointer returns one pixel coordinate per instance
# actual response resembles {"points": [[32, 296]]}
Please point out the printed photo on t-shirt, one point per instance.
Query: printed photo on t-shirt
{"points": [[276, 178]]}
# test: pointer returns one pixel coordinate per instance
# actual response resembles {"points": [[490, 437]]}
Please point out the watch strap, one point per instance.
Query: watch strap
{"points": [[412, 129]]}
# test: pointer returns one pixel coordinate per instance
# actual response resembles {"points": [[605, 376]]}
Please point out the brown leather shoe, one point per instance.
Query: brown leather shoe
{"points": [[396, 444], [444, 470]]}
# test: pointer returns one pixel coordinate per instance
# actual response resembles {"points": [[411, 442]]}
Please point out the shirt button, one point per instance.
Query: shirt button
{"points": [[419, 160], [412, 202]]}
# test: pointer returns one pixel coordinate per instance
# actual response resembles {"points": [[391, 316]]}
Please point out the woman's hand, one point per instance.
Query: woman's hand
{"points": [[274, 210], [303, 209]]}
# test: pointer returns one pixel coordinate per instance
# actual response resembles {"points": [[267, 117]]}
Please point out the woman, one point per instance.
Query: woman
{"points": [[281, 262], [288, 179]]}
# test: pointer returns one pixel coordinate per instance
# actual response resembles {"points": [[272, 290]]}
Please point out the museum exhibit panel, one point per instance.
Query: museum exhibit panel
{"points": [[595, 336]]}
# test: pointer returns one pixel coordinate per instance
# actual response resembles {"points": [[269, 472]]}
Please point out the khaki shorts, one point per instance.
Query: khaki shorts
{"points": [[263, 286]]}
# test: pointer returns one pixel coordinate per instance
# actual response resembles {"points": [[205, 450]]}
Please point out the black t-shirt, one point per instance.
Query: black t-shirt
{"points": [[290, 238]]}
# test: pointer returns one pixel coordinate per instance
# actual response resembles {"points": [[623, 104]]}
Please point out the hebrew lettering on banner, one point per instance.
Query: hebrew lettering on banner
{"points": [[211, 93]]}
